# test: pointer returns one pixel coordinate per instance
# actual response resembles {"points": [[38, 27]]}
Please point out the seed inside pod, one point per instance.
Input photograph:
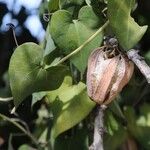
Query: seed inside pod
{"points": [[108, 72]]}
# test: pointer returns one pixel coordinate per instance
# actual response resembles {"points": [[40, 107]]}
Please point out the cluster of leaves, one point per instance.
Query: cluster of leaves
{"points": [[36, 70]]}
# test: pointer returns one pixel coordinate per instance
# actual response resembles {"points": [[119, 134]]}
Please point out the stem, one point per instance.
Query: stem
{"points": [[98, 130], [11, 26], [7, 99], [84, 44], [35, 141], [14, 34], [140, 63]]}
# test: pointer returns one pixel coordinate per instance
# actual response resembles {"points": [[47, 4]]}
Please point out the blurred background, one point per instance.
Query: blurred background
{"points": [[24, 15], [27, 17]]}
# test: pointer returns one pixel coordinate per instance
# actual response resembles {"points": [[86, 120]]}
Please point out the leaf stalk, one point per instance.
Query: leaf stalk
{"points": [[83, 45]]}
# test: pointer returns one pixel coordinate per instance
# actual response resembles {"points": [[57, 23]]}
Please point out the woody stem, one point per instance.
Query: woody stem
{"points": [[98, 130], [140, 63]]}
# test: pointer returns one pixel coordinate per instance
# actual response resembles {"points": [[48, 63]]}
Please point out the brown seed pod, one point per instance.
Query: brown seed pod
{"points": [[108, 72]]}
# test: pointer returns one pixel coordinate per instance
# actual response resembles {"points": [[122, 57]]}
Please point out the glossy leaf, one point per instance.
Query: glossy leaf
{"points": [[123, 25], [69, 34], [28, 76], [70, 104]]}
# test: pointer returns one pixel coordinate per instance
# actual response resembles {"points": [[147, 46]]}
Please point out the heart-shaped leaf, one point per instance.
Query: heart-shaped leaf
{"points": [[125, 28], [69, 34], [70, 104], [27, 75]]}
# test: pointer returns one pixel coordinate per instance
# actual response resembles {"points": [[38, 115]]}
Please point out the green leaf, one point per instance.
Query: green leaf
{"points": [[26, 147], [115, 108], [111, 123], [27, 75], [37, 97], [116, 133], [69, 34], [50, 46], [139, 127], [115, 140], [43, 137], [123, 25], [147, 57], [70, 105], [88, 2], [66, 3], [53, 5]]}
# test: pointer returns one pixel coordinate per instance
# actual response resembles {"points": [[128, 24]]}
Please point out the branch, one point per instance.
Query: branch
{"points": [[140, 63], [7, 99], [98, 130], [11, 26], [35, 141]]}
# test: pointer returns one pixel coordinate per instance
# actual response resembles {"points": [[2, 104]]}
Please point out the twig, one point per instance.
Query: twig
{"points": [[13, 110], [35, 141], [84, 44], [98, 130], [140, 63], [11, 26], [46, 16], [7, 99]]}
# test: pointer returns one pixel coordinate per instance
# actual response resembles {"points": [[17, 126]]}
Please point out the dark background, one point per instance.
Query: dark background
{"points": [[12, 12]]}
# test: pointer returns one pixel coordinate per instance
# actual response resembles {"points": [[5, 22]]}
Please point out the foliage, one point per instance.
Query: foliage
{"points": [[48, 84]]}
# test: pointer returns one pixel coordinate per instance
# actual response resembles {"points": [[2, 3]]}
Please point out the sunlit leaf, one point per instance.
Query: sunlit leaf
{"points": [[26, 147], [70, 104]]}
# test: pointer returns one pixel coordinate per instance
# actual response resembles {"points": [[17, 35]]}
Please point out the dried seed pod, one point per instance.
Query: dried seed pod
{"points": [[107, 74]]}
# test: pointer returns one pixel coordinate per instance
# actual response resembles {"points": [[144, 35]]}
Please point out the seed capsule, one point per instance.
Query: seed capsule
{"points": [[107, 74]]}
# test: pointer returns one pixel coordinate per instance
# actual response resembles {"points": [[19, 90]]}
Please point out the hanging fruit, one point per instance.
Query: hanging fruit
{"points": [[109, 70]]}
